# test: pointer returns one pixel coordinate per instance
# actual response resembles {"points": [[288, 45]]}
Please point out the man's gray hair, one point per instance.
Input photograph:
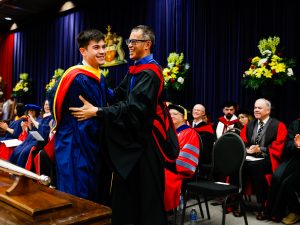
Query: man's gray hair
{"points": [[267, 102]]}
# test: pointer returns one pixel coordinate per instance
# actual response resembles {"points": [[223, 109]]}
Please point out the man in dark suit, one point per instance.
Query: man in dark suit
{"points": [[264, 138]]}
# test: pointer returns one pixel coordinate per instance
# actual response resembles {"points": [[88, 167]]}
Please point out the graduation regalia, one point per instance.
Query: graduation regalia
{"points": [[286, 178], [20, 154], [5, 152], [207, 135], [274, 139], [186, 165], [224, 125], [138, 184], [78, 156], [271, 142]]}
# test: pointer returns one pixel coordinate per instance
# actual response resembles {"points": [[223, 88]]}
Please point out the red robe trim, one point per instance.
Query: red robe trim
{"points": [[64, 84], [276, 147], [173, 181], [226, 122], [205, 128], [159, 110]]}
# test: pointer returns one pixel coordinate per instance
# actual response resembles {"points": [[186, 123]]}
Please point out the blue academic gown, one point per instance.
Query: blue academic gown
{"points": [[16, 126], [77, 144], [20, 154]]}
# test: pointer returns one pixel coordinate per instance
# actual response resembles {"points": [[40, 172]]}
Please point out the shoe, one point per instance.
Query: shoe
{"points": [[237, 213], [291, 218], [262, 216], [229, 209], [275, 219]]}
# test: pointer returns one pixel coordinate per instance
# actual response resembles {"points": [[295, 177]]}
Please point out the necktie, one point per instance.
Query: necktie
{"points": [[261, 127]]}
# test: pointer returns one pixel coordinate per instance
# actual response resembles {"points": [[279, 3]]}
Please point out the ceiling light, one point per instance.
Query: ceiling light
{"points": [[67, 6], [7, 18]]}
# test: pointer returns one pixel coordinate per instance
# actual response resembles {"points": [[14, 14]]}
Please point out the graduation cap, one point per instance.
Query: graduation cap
{"points": [[180, 109], [32, 107]]}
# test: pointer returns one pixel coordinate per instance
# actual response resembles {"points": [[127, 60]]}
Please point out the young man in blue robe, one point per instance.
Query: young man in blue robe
{"points": [[79, 160]]}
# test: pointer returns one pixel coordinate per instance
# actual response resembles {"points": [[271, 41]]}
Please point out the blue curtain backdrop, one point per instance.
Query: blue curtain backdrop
{"points": [[216, 37]]}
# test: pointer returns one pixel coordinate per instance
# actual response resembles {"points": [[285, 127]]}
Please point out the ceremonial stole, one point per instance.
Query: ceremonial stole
{"points": [[227, 123], [206, 128], [64, 84]]}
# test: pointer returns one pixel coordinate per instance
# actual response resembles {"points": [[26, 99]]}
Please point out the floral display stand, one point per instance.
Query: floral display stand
{"points": [[175, 75]]}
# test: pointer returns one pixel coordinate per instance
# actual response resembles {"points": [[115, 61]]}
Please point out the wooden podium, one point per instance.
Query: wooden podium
{"points": [[24, 201]]}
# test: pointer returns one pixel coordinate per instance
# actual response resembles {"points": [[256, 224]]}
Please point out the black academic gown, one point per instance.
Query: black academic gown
{"points": [[138, 185], [285, 178], [208, 138]]}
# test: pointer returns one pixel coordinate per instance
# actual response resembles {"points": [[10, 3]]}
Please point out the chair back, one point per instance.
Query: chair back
{"points": [[229, 154], [204, 167], [234, 130]]}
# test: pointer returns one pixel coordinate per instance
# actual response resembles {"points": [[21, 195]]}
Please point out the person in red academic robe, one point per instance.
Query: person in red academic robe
{"points": [[264, 138], [229, 120], [187, 161]]}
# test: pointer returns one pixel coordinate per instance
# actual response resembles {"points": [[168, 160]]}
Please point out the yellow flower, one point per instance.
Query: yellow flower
{"points": [[22, 87], [264, 67], [56, 76], [255, 59], [175, 72]]}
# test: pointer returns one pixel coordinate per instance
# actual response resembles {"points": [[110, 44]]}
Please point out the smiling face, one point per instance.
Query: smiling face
{"points": [[139, 48], [46, 107], [94, 53], [262, 109], [198, 112]]}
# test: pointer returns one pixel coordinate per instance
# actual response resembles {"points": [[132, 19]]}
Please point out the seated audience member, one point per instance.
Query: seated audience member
{"points": [[207, 119], [6, 109], [229, 120], [197, 113], [206, 132], [264, 138], [1, 105], [187, 160], [12, 131], [41, 125], [244, 118], [285, 181]]}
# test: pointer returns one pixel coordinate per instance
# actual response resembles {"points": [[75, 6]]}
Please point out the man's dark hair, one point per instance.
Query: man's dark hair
{"points": [[84, 37], [229, 104], [20, 109], [148, 33]]}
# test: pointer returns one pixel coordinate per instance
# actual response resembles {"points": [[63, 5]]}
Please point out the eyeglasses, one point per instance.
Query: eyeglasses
{"points": [[134, 41]]}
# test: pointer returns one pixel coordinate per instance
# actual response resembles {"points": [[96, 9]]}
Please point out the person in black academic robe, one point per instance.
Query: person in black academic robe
{"points": [[282, 194]]}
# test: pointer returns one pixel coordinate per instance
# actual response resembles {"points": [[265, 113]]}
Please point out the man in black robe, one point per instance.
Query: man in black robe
{"points": [[285, 180], [138, 184]]}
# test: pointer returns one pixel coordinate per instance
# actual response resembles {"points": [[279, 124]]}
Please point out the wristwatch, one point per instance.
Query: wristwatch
{"points": [[99, 112]]}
